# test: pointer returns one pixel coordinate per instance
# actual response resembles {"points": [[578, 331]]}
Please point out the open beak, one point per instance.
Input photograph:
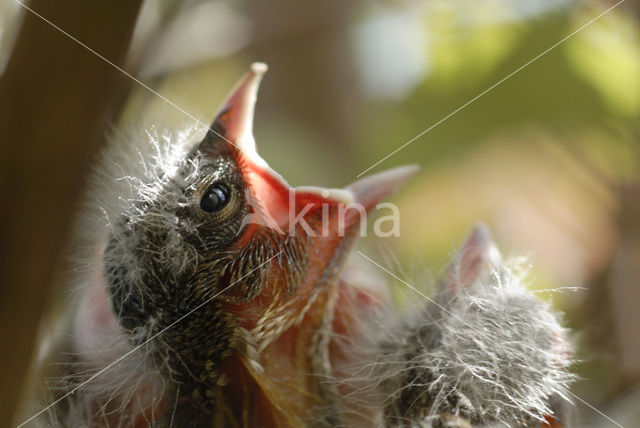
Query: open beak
{"points": [[304, 225], [478, 256], [370, 190], [276, 198], [236, 115]]}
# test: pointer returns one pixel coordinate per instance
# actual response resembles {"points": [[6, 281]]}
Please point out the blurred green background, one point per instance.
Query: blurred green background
{"points": [[549, 158]]}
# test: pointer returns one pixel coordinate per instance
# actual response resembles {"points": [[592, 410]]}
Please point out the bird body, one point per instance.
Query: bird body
{"points": [[218, 295]]}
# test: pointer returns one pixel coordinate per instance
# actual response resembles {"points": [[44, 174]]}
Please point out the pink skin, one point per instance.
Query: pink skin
{"points": [[98, 342], [96, 324]]}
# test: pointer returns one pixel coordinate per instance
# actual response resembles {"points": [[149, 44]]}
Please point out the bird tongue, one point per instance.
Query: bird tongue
{"points": [[277, 201]]}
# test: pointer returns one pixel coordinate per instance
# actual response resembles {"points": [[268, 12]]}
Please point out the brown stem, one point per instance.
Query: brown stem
{"points": [[55, 100]]}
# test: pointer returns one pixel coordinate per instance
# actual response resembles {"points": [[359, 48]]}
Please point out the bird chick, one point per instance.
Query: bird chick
{"points": [[227, 241], [216, 280], [485, 351], [221, 296]]}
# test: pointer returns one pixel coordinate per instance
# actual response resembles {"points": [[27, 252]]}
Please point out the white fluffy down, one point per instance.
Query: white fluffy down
{"points": [[494, 355]]}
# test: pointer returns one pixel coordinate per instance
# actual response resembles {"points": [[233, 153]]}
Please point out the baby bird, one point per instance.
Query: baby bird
{"points": [[484, 352], [221, 296]]}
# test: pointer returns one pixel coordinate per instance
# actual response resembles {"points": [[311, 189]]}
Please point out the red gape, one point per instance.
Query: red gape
{"points": [[550, 422]]}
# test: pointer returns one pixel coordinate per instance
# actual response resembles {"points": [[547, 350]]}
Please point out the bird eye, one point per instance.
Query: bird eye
{"points": [[215, 198]]}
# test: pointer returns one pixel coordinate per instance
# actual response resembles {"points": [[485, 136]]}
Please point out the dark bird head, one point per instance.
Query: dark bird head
{"points": [[223, 234]]}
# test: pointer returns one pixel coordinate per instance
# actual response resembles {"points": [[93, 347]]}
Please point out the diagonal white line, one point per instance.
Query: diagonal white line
{"points": [[491, 88], [146, 341], [129, 75], [464, 322], [406, 283], [593, 408], [422, 294]]}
